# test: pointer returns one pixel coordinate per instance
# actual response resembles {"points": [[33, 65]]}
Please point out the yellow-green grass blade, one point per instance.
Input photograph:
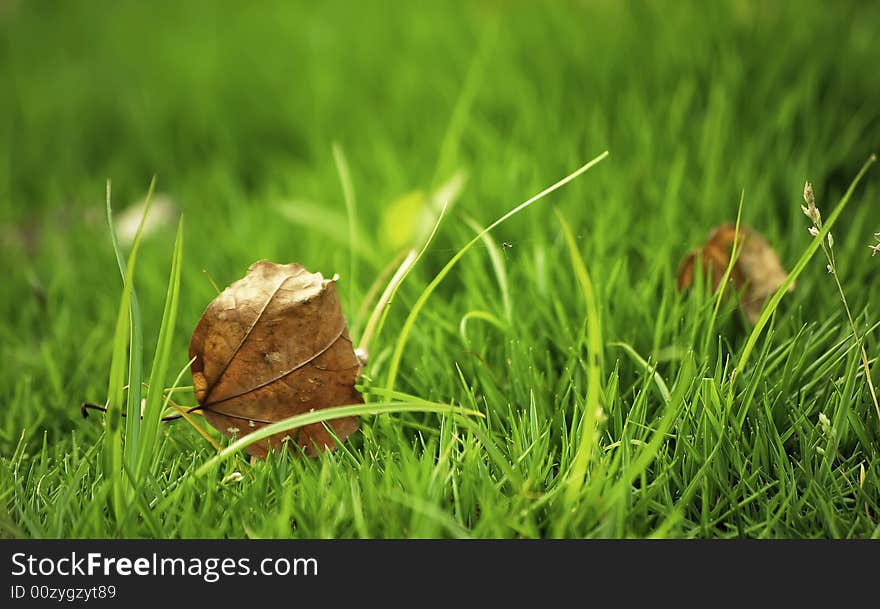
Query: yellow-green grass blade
{"points": [[329, 414], [405, 269]]}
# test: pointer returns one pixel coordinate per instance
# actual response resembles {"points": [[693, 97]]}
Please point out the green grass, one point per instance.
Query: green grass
{"points": [[317, 134]]}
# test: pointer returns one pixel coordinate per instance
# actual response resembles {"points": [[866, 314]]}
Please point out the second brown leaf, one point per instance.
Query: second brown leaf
{"points": [[757, 271]]}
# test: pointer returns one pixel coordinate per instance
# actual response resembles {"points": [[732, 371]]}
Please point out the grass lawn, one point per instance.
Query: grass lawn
{"points": [[585, 395]]}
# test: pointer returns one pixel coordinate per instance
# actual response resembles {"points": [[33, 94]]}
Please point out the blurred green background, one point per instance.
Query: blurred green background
{"points": [[236, 107]]}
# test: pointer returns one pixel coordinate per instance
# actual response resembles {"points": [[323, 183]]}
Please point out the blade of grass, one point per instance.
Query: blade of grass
{"points": [[686, 377], [584, 452], [374, 328], [497, 265], [159, 369], [719, 296], [368, 302], [329, 414], [351, 214], [638, 359], [485, 316], [798, 268], [112, 451], [376, 320], [135, 349]]}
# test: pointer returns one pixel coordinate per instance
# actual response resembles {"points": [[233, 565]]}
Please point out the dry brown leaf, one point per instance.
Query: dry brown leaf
{"points": [[272, 345], [757, 273]]}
